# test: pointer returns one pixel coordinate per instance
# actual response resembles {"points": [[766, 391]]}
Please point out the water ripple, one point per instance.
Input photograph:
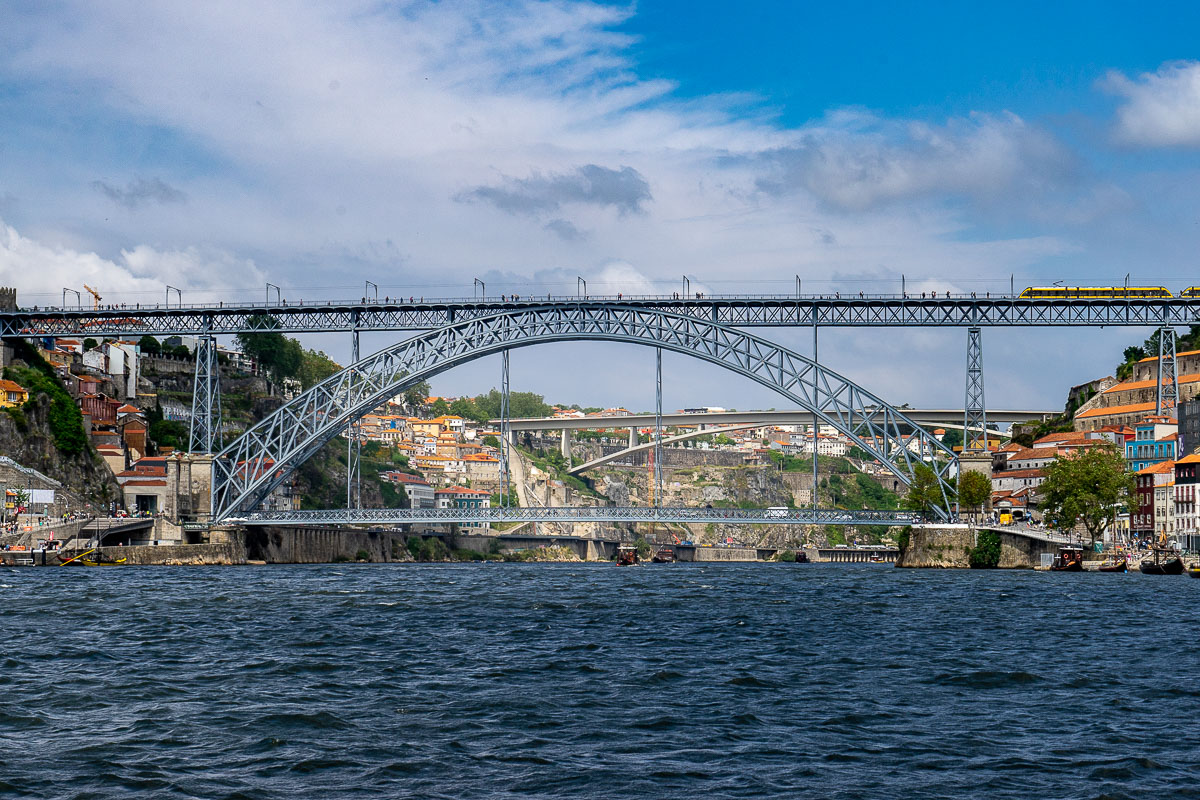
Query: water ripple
{"points": [[580, 681]]}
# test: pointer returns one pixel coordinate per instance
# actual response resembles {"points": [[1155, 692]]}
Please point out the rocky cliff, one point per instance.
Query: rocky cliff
{"points": [[27, 438]]}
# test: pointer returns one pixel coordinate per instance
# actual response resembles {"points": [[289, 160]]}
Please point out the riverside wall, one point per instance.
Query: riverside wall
{"points": [[949, 546], [226, 553], [313, 545]]}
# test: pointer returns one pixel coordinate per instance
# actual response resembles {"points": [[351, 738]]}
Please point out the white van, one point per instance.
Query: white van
{"points": [[776, 511]]}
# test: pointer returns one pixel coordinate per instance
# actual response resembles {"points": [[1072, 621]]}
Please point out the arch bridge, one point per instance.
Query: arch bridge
{"points": [[246, 471]]}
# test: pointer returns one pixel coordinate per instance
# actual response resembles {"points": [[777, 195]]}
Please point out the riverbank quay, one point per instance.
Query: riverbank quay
{"points": [[949, 547]]}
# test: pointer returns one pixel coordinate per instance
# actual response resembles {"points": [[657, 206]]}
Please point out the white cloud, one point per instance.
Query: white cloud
{"points": [[321, 145], [858, 161], [1162, 108], [140, 275]]}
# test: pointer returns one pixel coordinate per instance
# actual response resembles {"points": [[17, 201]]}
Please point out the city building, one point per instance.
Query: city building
{"points": [[1155, 440], [1146, 482], [1187, 532], [1189, 426], [461, 497], [12, 394]]}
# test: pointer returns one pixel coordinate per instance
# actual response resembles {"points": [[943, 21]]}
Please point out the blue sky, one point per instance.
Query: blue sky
{"points": [[420, 145], [915, 59]]}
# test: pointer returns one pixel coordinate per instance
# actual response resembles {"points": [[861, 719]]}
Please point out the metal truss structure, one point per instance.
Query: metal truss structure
{"points": [[975, 435], [1167, 396], [446, 516], [734, 310], [354, 446], [205, 432], [264, 456]]}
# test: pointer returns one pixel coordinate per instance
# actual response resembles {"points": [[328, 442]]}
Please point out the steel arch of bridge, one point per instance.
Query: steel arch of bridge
{"points": [[264, 456]]}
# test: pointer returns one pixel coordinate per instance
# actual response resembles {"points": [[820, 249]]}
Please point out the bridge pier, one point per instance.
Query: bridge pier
{"points": [[565, 446], [205, 429], [633, 437]]}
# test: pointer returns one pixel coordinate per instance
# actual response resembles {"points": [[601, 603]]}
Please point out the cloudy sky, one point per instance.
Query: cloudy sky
{"points": [[218, 146]]}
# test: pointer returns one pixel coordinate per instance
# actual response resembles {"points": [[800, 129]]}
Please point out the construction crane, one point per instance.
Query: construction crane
{"points": [[96, 298]]}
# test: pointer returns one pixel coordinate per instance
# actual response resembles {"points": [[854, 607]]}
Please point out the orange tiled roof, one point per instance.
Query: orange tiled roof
{"points": [[1177, 355], [1132, 408], [1130, 385], [1157, 469]]}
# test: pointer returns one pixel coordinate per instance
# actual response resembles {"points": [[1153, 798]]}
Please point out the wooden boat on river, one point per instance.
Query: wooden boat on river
{"points": [[1069, 559], [1164, 562], [627, 555], [1117, 565], [1194, 571]]}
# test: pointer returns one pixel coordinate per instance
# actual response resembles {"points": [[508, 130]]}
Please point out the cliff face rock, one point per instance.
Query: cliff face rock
{"points": [[32, 445]]}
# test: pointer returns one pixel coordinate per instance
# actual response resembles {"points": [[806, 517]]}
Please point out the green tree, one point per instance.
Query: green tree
{"points": [[149, 345], [491, 441], [924, 493], [1086, 487], [953, 438], [986, 553], [440, 407], [90, 344], [466, 408], [974, 489], [315, 367], [415, 395], [520, 404], [276, 354]]}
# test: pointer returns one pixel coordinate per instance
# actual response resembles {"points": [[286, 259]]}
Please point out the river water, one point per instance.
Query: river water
{"points": [[569, 681]]}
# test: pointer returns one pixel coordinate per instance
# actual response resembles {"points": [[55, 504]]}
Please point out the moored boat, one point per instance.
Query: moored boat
{"points": [[1113, 566], [1194, 570], [627, 555], [1164, 562], [1069, 559]]}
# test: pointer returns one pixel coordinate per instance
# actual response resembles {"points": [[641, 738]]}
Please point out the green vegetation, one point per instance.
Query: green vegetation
{"points": [[974, 489], [1086, 487], [282, 357], [462, 554], [487, 406], [791, 463], [393, 496], [315, 367], [986, 553], [1030, 432], [553, 463], [859, 491], [431, 549], [166, 432], [66, 423], [925, 493], [149, 345], [953, 438], [1149, 349], [643, 548], [903, 538], [788, 556], [512, 498], [362, 555]]}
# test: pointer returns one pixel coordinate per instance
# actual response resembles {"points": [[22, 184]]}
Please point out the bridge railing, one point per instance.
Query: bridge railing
{"points": [[807, 516]]}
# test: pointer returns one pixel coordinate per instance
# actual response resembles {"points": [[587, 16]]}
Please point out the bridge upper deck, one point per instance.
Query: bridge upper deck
{"points": [[732, 310]]}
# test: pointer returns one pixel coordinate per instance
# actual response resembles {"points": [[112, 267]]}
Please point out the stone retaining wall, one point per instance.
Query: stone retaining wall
{"points": [[177, 554], [948, 547]]}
